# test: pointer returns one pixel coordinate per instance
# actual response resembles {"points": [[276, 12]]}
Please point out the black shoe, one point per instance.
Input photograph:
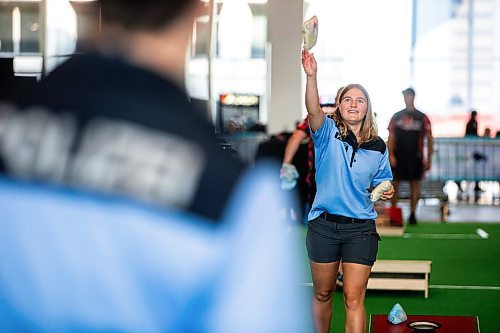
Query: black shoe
{"points": [[412, 219]]}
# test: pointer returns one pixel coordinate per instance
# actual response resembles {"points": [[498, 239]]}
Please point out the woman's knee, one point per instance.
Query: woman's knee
{"points": [[353, 301], [324, 295]]}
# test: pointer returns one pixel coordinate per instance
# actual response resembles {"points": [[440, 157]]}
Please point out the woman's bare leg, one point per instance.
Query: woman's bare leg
{"points": [[355, 281], [324, 276]]}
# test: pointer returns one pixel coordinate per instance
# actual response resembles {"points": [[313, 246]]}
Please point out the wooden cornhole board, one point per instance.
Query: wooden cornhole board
{"points": [[400, 275], [390, 230], [448, 324]]}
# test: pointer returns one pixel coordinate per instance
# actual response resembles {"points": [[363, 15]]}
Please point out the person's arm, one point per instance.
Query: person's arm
{"points": [[430, 146], [288, 172], [391, 144], [316, 115], [293, 145]]}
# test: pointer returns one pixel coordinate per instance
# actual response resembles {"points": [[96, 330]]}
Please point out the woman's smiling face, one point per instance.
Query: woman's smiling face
{"points": [[353, 106]]}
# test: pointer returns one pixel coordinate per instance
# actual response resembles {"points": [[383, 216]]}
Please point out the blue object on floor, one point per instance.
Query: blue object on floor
{"points": [[397, 314]]}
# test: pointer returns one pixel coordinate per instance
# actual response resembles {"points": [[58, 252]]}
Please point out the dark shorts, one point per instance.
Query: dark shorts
{"points": [[353, 242], [408, 168]]}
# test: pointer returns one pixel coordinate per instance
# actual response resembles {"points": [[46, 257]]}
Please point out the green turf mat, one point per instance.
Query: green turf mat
{"points": [[456, 263]]}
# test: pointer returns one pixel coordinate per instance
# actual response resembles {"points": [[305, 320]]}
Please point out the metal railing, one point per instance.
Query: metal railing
{"points": [[475, 159]]}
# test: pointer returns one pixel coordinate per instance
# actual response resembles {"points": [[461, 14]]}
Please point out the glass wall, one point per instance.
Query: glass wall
{"points": [[355, 45], [457, 63], [19, 28], [238, 64], [448, 50], [20, 35], [64, 27], [257, 25]]}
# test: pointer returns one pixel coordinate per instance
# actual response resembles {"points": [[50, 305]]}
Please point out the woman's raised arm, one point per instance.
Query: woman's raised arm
{"points": [[316, 115]]}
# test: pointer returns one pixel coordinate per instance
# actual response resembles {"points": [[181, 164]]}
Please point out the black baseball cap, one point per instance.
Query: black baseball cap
{"points": [[409, 91]]}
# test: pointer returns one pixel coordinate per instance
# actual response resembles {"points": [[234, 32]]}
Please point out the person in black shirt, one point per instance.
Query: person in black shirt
{"points": [[471, 127], [118, 120], [407, 130]]}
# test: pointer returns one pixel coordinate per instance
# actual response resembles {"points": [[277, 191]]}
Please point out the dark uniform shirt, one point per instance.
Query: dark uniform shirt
{"points": [[105, 125], [409, 129], [471, 128]]}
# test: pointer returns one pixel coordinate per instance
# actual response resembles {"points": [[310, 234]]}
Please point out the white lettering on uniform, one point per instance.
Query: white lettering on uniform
{"points": [[122, 157], [112, 156], [409, 124], [35, 143]]}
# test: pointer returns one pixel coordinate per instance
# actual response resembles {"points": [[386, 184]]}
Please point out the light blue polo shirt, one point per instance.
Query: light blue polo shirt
{"points": [[345, 172]]}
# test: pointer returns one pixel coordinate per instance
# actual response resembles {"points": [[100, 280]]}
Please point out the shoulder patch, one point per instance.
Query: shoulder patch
{"points": [[377, 145]]}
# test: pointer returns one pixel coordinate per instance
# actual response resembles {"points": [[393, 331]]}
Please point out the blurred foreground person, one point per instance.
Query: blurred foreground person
{"points": [[118, 120], [106, 140], [74, 261]]}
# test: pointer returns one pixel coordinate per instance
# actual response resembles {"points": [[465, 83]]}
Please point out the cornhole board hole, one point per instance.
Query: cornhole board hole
{"points": [[400, 275], [425, 323]]}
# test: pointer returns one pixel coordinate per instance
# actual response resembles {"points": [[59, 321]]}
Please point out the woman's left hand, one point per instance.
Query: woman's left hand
{"points": [[388, 194]]}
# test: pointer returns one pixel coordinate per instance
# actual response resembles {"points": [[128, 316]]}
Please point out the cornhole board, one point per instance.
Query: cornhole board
{"points": [[390, 230], [400, 275], [446, 324]]}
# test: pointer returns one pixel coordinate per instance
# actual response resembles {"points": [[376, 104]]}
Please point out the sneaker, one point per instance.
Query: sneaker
{"points": [[412, 219], [340, 280]]}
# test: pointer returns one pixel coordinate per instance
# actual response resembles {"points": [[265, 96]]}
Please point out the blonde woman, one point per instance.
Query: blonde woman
{"points": [[350, 161]]}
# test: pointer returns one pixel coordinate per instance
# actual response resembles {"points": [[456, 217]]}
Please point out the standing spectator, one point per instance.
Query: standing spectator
{"points": [[118, 120], [350, 159], [407, 130], [471, 131], [471, 127], [307, 181]]}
